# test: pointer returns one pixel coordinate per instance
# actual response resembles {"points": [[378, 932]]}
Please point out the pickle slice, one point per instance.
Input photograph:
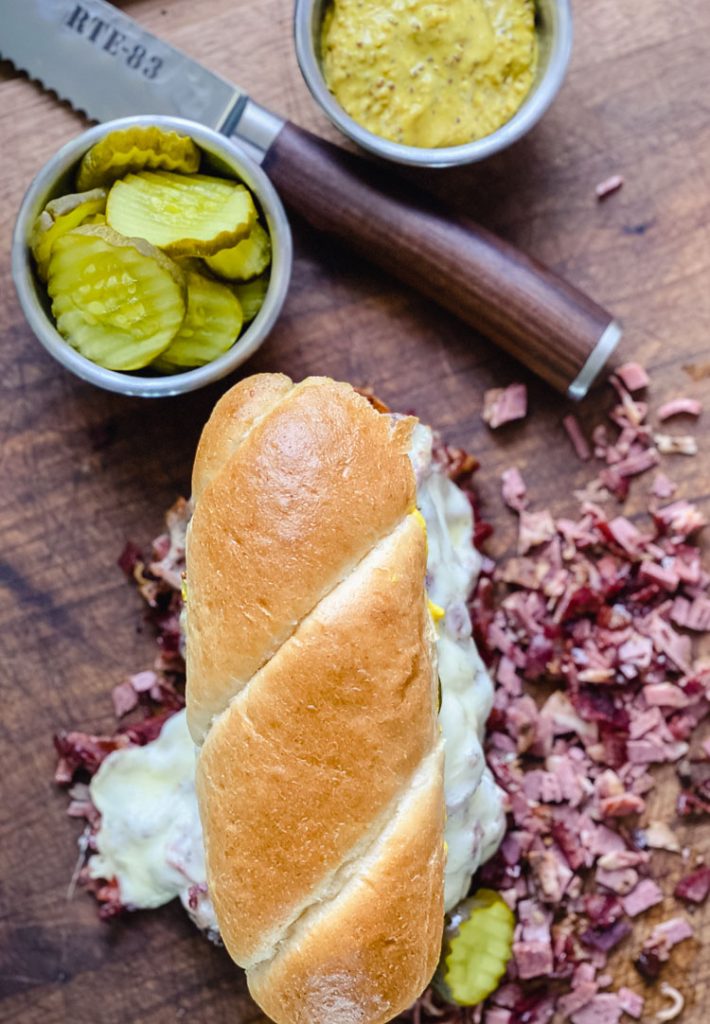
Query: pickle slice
{"points": [[246, 260], [251, 296], [185, 215], [478, 942], [118, 301], [132, 149], [212, 323], [59, 216]]}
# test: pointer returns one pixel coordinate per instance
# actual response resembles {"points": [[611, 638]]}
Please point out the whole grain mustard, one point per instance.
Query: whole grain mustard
{"points": [[426, 73]]}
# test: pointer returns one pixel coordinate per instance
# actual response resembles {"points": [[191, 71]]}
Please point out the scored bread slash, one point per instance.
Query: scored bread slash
{"points": [[184, 215]]}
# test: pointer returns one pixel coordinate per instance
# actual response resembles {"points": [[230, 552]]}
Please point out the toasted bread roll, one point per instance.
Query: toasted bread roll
{"points": [[312, 691]]}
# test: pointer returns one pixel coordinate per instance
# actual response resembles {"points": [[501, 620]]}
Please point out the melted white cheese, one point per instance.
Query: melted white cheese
{"points": [[475, 820], [150, 838]]}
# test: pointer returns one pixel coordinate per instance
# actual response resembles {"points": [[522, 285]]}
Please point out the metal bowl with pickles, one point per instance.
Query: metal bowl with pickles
{"points": [[151, 256]]}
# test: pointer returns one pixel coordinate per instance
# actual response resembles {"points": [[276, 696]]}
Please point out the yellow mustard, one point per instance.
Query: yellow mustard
{"points": [[427, 73]]}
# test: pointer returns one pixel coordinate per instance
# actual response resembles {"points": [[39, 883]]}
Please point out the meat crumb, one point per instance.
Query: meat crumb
{"points": [[605, 1008], [503, 405], [646, 895], [124, 698], [608, 186], [695, 887], [633, 376], [679, 407], [658, 836], [513, 489], [662, 487], [631, 1002], [683, 444], [536, 528], [576, 436]]}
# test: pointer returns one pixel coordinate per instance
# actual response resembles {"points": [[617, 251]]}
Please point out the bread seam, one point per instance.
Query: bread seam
{"points": [[296, 388], [363, 853], [241, 693]]}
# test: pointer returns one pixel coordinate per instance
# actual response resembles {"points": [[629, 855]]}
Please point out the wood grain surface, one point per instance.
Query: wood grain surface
{"points": [[83, 470]]}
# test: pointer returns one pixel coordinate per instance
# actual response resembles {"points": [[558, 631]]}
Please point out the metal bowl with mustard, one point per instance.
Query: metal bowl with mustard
{"points": [[401, 27], [219, 157]]}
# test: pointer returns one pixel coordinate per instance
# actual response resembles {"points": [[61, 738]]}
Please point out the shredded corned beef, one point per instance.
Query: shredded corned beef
{"points": [[154, 694], [583, 629]]}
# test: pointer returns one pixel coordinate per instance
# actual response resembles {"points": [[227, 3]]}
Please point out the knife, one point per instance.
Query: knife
{"points": [[107, 66]]}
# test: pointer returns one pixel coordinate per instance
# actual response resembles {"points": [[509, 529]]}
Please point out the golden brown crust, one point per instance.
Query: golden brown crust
{"points": [[234, 415], [311, 488], [307, 760], [366, 956], [311, 679]]}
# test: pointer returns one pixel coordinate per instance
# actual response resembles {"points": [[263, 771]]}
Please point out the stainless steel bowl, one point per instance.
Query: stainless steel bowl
{"points": [[554, 28], [57, 178]]}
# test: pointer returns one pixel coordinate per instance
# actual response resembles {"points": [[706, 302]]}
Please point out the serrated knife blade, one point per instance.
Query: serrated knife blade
{"points": [[103, 63], [107, 66]]}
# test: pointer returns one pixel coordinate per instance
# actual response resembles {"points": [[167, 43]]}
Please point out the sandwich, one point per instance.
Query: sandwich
{"points": [[335, 708]]}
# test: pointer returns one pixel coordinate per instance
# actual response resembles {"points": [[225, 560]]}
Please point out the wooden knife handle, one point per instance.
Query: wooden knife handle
{"points": [[556, 330]]}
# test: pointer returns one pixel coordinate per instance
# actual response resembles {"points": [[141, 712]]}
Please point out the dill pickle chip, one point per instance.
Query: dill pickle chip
{"points": [[118, 301], [204, 183], [59, 216], [183, 214], [246, 260], [478, 942], [212, 323], [132, 149], [251, 296]]}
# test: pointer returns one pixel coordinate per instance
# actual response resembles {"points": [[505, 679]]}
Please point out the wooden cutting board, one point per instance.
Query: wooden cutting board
{"points": [[83, 470]]}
